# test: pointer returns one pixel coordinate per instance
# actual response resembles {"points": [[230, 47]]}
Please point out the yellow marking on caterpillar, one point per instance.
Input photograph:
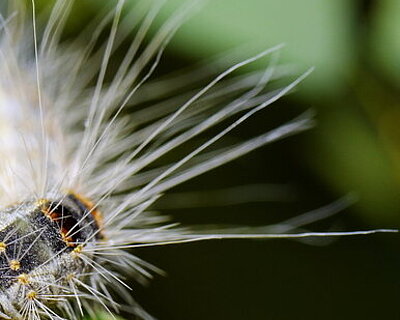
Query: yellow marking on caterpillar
{"points": [[31, 295], [75, 253], [23, 278], [15, 265]]}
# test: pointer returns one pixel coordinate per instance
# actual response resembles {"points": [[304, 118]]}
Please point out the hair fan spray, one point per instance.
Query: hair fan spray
{"points": [[78, 175]]}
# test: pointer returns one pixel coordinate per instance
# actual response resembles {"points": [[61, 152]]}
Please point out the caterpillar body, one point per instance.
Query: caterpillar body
{"points": [[74, 170]]}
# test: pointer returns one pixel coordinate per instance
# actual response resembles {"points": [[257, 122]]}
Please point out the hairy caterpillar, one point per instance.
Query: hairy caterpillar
{"points": [[77, 175]]}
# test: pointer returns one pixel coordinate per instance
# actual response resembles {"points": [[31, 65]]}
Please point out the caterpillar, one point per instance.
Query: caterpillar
{"points": [[78, 174]]}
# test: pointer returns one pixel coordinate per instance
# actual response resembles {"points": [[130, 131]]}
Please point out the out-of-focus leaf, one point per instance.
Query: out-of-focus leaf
{"points": [[317, 33], [351, 156], [385, 38]]}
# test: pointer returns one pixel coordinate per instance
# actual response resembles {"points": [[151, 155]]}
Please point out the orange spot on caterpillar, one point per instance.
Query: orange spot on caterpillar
{"points": [[67, 239], [97, 215]]}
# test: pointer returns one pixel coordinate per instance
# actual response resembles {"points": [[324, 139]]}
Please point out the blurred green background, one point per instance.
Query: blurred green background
{"points": [[355, 48]]}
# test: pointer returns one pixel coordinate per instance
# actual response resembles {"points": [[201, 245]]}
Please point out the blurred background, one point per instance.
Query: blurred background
{"points": [[354, 149]]}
